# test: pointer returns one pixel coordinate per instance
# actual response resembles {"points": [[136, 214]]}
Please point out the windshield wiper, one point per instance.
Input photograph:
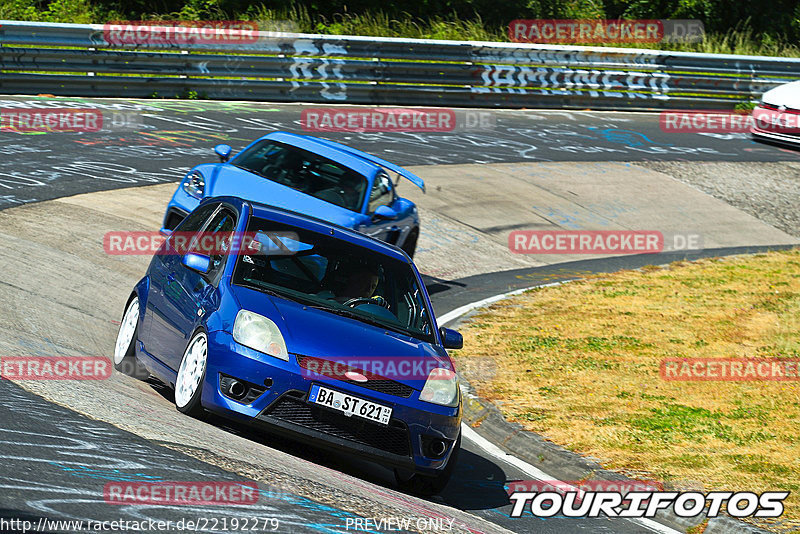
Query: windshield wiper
{"points": [[368, 320], [274, 293], [353, 315]]}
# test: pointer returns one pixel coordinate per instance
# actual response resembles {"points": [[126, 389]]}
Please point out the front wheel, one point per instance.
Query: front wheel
{"points": [[191, 375], [125, 348], [426, 485]]}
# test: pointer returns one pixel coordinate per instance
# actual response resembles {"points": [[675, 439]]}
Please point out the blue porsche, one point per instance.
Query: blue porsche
{"points": [[308, 175], [301, 327]]}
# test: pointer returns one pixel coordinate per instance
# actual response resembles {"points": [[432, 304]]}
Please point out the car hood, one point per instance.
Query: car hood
{"points": [[784, 95], [227, 180], [318, 333]]}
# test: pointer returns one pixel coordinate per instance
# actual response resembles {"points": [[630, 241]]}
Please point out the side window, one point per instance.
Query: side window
{"points": [[219, 233], [180, 242], [381, 193], [195, 220]]}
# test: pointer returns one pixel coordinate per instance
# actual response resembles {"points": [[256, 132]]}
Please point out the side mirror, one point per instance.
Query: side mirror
{"points": [[451, 339], [165, 232], [224, 152], [384, 212], [197, 262]]}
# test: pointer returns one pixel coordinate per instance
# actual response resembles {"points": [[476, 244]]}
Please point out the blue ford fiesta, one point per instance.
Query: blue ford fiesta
{"points": [[301, 327], [307, 174]]}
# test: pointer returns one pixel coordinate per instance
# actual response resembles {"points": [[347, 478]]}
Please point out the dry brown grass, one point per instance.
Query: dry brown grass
{"points": [[579, 364]]}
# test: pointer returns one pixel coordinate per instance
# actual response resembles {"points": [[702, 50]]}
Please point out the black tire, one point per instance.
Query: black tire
{"points": [[128, 364], [193, 407], [410, 244], [425, 485]]}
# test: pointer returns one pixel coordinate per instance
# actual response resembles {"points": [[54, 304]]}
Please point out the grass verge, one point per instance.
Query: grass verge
{"points": [[579, 364]]}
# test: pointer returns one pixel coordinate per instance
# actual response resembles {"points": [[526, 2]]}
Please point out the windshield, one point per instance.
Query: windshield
{"points": [[325, 272], [306, 172]]}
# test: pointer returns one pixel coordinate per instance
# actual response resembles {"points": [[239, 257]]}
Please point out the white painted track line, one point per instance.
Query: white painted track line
{"points": [[537, 474], [495, 451]]}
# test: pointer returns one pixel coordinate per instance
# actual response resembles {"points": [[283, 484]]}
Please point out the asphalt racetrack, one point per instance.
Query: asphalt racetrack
{"points": [[63, 442], [151, 141]]}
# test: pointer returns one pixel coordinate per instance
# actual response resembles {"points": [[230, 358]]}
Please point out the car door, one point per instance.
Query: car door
{"points": [[191, 294], [382, 194], [159, 311]]}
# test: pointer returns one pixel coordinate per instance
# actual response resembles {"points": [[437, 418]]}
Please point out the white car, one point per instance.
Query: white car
{"points": [[777, 117]]}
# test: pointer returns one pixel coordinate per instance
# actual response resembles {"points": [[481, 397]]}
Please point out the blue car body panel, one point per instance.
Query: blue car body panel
{"points": [[224, 179], [175, 304]]}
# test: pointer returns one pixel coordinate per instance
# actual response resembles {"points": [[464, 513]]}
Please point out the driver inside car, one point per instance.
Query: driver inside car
{"points": [[360, 283]]}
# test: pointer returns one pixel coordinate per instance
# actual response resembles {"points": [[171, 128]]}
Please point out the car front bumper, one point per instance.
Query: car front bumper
{"points": [[775, 137], [284, 409]]}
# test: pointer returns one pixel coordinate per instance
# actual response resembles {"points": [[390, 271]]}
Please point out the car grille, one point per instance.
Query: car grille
{"points": [[392, 438], [374, 382]]}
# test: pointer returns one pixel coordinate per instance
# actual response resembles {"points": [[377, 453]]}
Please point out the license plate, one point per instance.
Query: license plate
{"points": [[349, 405]]}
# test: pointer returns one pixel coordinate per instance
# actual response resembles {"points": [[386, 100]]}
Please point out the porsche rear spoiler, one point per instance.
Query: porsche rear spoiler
{"points": [[411, 177]]}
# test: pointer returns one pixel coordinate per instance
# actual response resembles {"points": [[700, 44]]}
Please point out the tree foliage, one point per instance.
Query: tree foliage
{"points": [[779, 19]]}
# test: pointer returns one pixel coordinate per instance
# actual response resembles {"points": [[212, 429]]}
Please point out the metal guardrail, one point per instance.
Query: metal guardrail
{"points": [[365, 70]]}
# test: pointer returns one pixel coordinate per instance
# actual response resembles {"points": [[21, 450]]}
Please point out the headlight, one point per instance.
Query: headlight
{"points": [[441, 387], [194, 184], [259, 333]]}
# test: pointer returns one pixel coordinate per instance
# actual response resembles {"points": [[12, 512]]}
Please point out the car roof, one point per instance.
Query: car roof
{"points": [[308, 222], [358, 164]]}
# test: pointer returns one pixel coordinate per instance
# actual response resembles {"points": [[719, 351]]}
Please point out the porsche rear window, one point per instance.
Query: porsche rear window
{"points": [[306, 172]]}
